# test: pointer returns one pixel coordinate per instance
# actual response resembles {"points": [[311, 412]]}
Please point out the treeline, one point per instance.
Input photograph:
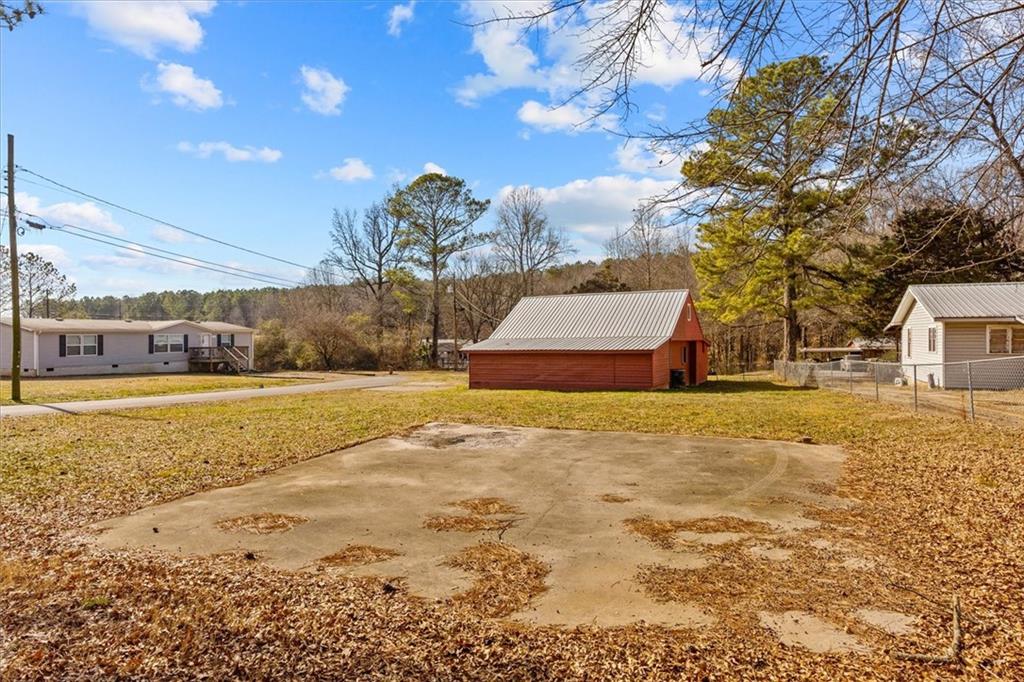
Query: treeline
{"points": [[805, 233]]}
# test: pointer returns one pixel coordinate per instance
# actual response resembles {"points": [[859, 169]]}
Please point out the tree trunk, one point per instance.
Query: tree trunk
{"points": [[435, 314], [791, 325]]}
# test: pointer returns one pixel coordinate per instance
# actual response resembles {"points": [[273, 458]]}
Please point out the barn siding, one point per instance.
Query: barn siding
{"points": [[592, 371], [660, 364]]}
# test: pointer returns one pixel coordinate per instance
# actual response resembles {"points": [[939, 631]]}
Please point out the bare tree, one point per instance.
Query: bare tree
{"points": [[644, 245], [892, 62], [484, 294], [370, 253], [525, 243]]}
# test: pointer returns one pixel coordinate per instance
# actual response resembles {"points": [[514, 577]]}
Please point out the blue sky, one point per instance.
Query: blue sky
{"points": [[252, 121]]}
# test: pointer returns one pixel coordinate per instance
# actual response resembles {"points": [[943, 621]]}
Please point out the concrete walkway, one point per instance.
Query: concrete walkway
{"points": [[82, 406]]}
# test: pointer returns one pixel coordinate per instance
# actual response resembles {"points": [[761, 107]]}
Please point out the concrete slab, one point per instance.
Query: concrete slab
{"points": [[797, 628], [380, 494]]}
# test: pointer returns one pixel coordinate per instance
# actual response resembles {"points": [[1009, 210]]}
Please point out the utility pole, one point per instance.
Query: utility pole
{"points": [[12, 222]]}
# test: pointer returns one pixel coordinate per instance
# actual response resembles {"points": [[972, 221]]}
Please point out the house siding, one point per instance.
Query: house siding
{"points": [[918, 322], [27, 351], [969, 341]]}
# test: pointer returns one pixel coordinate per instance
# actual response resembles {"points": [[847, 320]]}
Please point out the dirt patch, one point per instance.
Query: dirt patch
{"points": [[358, 555], [443, 436], [261, 524], [613, 498], [486, 506], [719, 529], [506, 578], [467, 524]]}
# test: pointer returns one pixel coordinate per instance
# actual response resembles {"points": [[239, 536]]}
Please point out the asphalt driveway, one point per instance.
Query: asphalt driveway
{"points": [[83, 406]]}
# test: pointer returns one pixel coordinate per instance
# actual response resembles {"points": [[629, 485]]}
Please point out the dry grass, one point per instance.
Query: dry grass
{"points": [[938, 504], [506, 578], [51, 390], [466, 524], [613, 498], [264, 523], [486, 506], [358, 555]]}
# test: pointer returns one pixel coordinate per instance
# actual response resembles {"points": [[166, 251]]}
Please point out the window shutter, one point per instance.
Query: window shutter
{"points": [[63, 345], [99, 344], [150, 344], [232, 339], [184, 346]]}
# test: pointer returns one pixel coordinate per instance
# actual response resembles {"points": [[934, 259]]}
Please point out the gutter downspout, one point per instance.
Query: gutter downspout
{"points": [[35, 352]]}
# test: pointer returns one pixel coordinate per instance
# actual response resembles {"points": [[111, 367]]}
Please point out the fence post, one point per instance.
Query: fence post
{"points": [[849, 373], [915, 387], [876, 382], [970, 389]]}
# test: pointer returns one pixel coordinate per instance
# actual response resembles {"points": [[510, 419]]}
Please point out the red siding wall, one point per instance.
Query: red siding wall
{"points": [[662, 362], [568, 371]]}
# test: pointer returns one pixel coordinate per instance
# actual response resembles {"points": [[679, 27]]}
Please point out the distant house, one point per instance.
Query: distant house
{"points": [[61, 347], [865, 348], [622, 340], [954, 323]]}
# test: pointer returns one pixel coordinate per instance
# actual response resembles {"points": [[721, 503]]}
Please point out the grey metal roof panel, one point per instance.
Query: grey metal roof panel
{"points": [[43, 324], [579, 316], [594, 344], [224, 327], [1002, 299], [994, 300]]}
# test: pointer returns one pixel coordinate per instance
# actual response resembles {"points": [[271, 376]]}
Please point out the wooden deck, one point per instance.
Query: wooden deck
{"points": [[218, 359]]}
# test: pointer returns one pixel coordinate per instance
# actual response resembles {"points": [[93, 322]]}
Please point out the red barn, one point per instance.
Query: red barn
{"points": [[627, 340]]}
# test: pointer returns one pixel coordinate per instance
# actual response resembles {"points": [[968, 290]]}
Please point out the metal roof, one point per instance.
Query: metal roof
{"points": [[632, 320], [995, 300], [45, 324]]}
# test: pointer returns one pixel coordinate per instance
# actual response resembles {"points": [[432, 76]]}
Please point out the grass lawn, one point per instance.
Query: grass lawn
{"points": [[941, 500], [64, 389]]}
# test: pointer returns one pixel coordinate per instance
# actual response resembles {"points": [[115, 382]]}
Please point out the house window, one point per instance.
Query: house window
{"points": [[81, 344], [1005, 340], [931, 339], [684, 355], [689, 312], [910, 343], [169, 343]]}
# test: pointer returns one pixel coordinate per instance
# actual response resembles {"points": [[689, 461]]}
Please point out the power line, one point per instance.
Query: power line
{"points": [[140, 214], [168, 258], [166, 251]]}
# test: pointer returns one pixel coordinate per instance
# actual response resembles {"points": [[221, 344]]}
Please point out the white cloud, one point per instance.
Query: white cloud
{"points": [[645, 158], [396, 175], [567, 118], [51, 252], [143, 26], [324, 92], [590, 209], [400, 14], [205, 150], [431, 167], [187, 90], [85, 214], [170, 235], [352, 170], [549, 61]]}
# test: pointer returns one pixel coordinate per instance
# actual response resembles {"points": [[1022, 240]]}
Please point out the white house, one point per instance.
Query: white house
{"points": [[942, 324], [61, 347]]}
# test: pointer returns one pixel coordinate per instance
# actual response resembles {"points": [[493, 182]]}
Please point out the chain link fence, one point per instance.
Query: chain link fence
{"points": [[991, 389]]}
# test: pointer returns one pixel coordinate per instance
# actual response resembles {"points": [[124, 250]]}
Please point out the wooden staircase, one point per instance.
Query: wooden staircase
{"points": [[219, 358]]}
